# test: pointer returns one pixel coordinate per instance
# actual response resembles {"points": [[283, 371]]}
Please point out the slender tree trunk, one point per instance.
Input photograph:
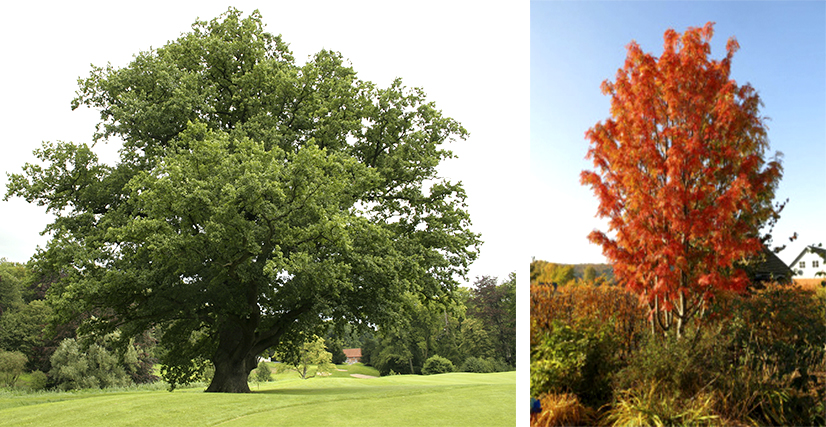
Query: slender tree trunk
{"points": [[681, 313]]}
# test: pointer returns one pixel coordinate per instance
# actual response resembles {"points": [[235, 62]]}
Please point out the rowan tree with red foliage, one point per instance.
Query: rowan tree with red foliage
{"points": [[682, 176]]}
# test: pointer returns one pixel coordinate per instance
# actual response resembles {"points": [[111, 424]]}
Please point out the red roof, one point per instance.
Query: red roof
{"points": [[352, 352]]}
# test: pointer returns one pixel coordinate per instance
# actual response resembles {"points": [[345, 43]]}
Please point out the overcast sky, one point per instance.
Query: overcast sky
{"points": [[471, 58], [577, 45]]}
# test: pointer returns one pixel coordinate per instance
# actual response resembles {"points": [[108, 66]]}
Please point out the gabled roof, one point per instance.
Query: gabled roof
{"points": [[352, 352], [815, 249], [767, 266]]}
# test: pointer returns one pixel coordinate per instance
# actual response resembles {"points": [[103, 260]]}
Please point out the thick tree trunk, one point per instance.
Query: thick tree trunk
{"points": [[232, 375], [234, 358], [239, 346]]}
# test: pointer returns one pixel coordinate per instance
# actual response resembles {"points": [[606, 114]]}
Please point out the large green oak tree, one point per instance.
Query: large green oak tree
{"points": [[253, 200]]}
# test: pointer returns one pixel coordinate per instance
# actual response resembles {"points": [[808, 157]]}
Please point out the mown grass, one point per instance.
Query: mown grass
{"points": [[341, 371], [457, 399]]}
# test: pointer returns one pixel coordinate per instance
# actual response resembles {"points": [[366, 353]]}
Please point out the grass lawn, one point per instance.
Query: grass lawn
{"points": [[341, 371], [457, 399]]}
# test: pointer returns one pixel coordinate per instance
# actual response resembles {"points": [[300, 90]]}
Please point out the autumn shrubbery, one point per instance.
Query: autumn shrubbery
{"points": [[562, 410], [757, 358], [578, 360], [580, 336], [589, 306]]}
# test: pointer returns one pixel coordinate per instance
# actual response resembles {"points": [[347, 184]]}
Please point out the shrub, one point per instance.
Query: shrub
{"points": [[476, 364], [22, 329], [776, 351], [562, 410], [437, 365], [37, 381], [685, 365], [262, 373], [139, 359], [96, 367], [206, 372], [659, 405], [11, 366], [578, 360], [281, 367], [590, 306], [759, 356], [783, 325], [500, 365]]}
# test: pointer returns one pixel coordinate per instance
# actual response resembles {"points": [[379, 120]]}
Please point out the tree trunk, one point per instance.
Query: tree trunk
{"points": [[233, 359], [232, 375]]}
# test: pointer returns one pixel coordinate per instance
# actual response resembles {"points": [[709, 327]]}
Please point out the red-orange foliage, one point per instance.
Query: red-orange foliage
{"points": [[681, 175]]}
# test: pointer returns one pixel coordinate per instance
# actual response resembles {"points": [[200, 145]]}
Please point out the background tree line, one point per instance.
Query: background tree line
{"points": [[475, 332], [562, 274], [31, 340]]}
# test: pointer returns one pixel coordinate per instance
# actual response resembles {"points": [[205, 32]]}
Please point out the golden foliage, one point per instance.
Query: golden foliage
{"points": [[562, 410], [585, 304]]}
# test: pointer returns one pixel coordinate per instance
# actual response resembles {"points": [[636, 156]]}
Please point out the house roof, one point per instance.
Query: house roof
{"points": [[352, 352], [767, 266], [815, 249]]}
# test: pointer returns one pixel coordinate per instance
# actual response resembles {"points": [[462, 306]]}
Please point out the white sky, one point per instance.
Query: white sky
{"points": [[471, 58]]}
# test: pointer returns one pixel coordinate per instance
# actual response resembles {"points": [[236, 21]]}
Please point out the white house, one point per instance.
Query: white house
{"points": [[810, 261]]}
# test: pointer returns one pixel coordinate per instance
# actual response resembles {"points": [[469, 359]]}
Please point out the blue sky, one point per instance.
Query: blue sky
{"points": [[577, 45]]}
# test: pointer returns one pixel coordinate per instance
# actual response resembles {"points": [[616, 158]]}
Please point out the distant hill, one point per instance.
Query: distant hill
{"points": [[537, 266], [602, 270]]}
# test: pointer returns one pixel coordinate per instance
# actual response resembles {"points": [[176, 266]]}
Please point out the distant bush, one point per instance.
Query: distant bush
{"points": [[481, 365], [95, 367], [11, 366], [139, 359], [476, 364], [207, 372], [281, 367], [38, 381], [262, 373], [437, 365], [500, 365], [334, 347]]}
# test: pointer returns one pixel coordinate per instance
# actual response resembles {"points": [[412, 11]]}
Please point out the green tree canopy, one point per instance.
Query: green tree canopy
{"points": [[495, 306], [12, 283], [254, 198]]}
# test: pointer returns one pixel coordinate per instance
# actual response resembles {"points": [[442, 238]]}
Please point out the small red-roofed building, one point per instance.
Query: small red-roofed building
{"points": [[353, 355]]}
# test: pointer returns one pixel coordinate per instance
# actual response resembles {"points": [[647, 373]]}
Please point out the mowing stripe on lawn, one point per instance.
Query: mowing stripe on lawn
{"points": [[449, 399]]}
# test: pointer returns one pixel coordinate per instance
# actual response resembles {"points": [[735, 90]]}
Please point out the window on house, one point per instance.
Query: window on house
{"points": [[802, 264], [815, 264]]}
